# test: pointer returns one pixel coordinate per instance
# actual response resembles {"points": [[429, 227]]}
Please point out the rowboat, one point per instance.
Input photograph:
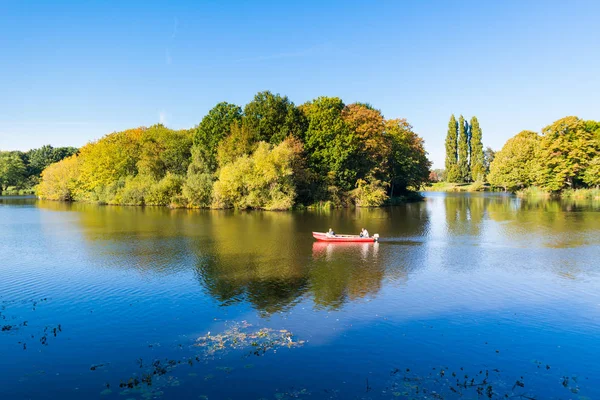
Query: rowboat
{"points": [[324, 237]]}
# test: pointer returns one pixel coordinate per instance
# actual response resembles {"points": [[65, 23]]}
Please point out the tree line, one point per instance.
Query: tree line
{"points": [[20, 171], [566, 155], [271, 155], [465, 160]]}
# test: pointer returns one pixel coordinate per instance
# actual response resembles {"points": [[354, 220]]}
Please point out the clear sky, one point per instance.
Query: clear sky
{"points": [[71, 72]]}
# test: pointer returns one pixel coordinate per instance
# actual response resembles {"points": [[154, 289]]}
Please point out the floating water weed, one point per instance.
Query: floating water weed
{"points": [[449, 384], [17, 325], [239, 336]]}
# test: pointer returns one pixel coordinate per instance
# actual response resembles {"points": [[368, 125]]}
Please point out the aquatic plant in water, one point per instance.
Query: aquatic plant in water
{"points": [[12, 323], [445, 383], [239, 336]]}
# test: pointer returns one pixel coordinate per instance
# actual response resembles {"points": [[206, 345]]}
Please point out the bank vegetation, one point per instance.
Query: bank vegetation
{"points": [[270, 155]]}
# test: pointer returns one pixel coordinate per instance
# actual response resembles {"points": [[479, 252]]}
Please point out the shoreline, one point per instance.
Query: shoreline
{"points": [[411, 197], [529, 192]]}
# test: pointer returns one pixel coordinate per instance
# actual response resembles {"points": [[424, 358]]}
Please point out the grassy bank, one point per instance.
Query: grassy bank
{"points": [[457, 187], [576, 194]]}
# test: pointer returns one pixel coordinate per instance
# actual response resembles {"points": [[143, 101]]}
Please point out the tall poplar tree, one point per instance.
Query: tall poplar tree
{"points": [[476, 159], [463, 150], [452, 172]]}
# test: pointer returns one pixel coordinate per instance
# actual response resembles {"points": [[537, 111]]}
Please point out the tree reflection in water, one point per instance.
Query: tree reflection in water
{"points": [[270, 260]]}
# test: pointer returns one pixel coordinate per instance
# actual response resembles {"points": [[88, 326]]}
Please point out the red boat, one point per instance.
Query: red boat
{"points": [[324, 237]]}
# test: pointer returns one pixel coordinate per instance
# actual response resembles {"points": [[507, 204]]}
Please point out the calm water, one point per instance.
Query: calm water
{"points": [[92, 297]]}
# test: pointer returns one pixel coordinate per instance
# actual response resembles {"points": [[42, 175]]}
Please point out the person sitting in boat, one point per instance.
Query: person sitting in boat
{"points": [[330, 232], [364, 233]]}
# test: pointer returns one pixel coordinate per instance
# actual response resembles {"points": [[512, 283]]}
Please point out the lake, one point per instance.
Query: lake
{"points": [[472, 295]]}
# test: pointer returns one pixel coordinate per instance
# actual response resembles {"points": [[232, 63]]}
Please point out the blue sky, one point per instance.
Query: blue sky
{"points": [[71, 72]]}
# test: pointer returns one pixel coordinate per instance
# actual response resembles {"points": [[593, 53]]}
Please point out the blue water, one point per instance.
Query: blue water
{"points": [[459, 284]]}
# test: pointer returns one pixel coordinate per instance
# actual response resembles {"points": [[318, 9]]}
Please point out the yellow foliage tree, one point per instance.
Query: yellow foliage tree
{"points": [[263, 180], [60, 180]]}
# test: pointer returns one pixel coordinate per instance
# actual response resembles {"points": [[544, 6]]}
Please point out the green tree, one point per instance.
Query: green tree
{"points": [[213, 128], [329, 143], [452, 171], [39, 159], [477, 157], [12, 169], [488, 156], [197, 188], [566, 149], [463, 150], [514, 166], [272, 118]]}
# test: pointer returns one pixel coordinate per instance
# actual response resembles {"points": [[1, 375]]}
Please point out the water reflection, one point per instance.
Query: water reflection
{"points": [[474, 280], [270, 260]]}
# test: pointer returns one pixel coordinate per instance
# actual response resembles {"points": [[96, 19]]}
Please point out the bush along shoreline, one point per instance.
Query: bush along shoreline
{"points": [[270, 155], [574, 194]]}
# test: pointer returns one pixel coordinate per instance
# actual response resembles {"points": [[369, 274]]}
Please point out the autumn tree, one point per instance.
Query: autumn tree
{"points": [[163, 150], [270, 157], [566, 150], [476, 157], [452, 170], [60, 180], [514, 166], [262, 180], [367, 129], [591, 176], [108, 160], [408, 163]]}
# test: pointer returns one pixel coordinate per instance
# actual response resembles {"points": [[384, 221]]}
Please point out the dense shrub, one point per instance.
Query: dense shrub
{"points": [[262, 180], [163, 192], [370, 193]]}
